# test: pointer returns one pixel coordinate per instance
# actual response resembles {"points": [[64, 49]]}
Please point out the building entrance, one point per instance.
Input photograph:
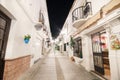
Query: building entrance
{"points": [[78, 48], [4, 31], [100, 53]]}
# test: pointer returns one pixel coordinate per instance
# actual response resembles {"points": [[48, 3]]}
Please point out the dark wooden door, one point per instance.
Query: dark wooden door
{"points": [[97, 53], [4, 30], [78, 47], [65, 47]]}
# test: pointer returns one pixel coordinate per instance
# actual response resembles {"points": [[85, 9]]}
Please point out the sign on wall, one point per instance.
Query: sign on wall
{"points": [[115, 41]]}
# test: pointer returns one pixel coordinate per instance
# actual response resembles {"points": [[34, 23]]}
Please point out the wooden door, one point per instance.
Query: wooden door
{"points": [[4, 31], [78, 47]]}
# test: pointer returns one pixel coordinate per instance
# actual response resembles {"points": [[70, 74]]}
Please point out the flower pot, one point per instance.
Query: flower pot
{"points": [[26, 41]]}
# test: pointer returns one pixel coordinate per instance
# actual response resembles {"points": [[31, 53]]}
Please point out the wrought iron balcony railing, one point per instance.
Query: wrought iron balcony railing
{"points": [[82, 12]]}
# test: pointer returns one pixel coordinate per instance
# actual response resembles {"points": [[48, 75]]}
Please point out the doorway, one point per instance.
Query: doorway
{"points": [[4, 31], [78, 47], [65, 46], [100, 53]]}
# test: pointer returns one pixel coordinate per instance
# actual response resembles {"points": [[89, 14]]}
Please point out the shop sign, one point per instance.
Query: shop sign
{"points": [[115, 41]]}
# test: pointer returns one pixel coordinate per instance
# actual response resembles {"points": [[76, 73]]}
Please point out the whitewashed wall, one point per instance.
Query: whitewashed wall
{"points": [[26, 13], [19, 27], [87, 61], [97, 5], [114, 55], [111, 25]]}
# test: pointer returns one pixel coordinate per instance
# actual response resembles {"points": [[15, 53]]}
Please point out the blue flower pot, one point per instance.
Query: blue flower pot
{"points": [[26, 41]]}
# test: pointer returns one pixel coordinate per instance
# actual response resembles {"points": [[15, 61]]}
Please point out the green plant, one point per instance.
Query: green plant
{"points": [[72, 43], [27, 36], [56, 47], [115, 44]]}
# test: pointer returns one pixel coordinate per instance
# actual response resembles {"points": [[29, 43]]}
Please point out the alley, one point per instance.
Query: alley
{"points": [[59, 39], [57, 67]]}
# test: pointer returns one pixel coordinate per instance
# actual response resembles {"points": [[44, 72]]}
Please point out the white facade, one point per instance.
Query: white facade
{"points": [[113, 54], [110, 22], [25, 15]]}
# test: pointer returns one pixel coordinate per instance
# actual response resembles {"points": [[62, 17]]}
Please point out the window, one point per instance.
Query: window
{"points": [[78, 48], [65, 47]]}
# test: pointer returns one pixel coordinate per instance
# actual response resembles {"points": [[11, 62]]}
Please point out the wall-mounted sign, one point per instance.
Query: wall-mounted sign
{"points": [[115, 41]]}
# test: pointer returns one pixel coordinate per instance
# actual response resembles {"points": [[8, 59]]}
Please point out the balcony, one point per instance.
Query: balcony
{"points": [[81, 14]]}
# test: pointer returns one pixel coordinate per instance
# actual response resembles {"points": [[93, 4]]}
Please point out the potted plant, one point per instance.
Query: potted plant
{"points": [[72, 43], [27, 38], [72, 58]]}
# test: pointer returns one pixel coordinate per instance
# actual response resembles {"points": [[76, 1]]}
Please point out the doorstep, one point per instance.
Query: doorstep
{"points": [[98, 75]]}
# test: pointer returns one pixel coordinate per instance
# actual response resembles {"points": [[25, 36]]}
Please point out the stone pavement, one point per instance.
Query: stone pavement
{"points": [[57, 67]]}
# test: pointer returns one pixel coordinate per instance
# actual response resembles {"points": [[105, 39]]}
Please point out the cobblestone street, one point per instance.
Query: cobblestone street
{"points": [[57, 67]]}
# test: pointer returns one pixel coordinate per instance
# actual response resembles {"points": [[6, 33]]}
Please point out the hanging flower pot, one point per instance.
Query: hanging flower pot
{"points": [[27, 38], [26, 41]]}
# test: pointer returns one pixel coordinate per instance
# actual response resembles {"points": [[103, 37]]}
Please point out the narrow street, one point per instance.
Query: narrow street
{"points": [[57, 67], [59, 39]]}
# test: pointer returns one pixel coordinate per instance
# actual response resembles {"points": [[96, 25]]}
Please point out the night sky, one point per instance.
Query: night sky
{"points": [[58, 11]]}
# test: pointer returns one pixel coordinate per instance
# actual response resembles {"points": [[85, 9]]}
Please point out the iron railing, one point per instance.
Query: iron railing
{"points": [[82, 12]]}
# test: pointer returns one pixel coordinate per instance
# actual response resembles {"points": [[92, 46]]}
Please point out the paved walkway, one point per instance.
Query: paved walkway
{"points": [[57, 67]]}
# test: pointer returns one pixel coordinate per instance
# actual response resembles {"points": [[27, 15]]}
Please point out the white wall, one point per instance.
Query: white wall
{"points": [[114, 55], [87, 53], [79, 3], [98, 4], [19, 27], [32, 8], [111, 25], [38, 49], [26, 13]]}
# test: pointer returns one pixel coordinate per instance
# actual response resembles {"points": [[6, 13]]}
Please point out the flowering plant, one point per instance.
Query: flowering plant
{"points": [[115, 42], [27, 36]]}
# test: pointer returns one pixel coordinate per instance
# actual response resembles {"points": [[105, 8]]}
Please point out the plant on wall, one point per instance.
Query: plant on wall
{"points": [[115, 41], [72, 43], [27, 38], [56, 47]]}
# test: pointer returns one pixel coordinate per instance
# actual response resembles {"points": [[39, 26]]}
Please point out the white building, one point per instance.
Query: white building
{"points": [[17, 19], [95, 27]]}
